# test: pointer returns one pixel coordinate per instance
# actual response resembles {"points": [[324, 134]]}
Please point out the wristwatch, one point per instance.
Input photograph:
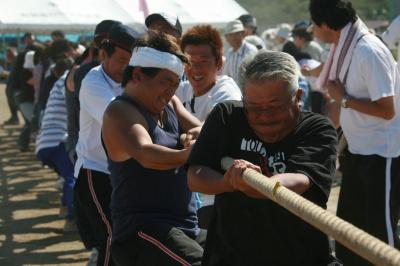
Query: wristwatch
{"points": [[344, 101]]}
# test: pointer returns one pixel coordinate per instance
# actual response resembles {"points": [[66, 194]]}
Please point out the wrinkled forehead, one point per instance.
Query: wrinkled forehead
{"points": [[269, 89]]}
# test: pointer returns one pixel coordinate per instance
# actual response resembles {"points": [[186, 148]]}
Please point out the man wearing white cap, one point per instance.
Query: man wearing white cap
{"points": [[153, 210], [283, 35], [164, 22], [235, 34]]}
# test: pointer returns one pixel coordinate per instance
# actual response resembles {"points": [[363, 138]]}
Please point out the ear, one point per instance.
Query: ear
{"points": [[137, 75], [102, 54], [220, 63], [299, 92]]}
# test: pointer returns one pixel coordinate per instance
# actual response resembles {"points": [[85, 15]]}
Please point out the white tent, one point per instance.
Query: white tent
{"points": [[43, 16]]}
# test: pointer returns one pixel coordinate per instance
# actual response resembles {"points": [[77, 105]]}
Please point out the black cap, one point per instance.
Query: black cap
{"points": [[172, 20], [122, 36], [104, 27], [248, 20]]}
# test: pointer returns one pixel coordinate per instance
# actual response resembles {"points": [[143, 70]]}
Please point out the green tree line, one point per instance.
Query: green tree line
{"points": [[272, 12]]}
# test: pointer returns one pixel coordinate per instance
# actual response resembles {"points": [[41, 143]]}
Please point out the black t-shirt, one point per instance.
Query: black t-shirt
{"points": [[247, 231]]}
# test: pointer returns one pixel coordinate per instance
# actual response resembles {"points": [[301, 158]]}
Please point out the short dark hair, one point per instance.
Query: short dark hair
{"points": [[61, 66], [334, 13], [161, 42], [28, 35], [58, 48], [108, 47], [204, 34], [307, 36], [58, 33]]}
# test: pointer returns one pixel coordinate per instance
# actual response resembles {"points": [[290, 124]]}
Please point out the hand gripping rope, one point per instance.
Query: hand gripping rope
{"points": [[360, 242]]}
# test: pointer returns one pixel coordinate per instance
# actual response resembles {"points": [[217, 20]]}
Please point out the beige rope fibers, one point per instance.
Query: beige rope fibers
{"points": [[360, 242]]}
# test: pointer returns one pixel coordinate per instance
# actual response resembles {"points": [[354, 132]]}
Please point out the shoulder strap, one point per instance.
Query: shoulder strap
{"points": [[347, 71]]}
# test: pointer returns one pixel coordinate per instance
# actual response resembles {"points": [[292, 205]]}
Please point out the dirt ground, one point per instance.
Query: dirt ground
{"points": [[30, 228]]}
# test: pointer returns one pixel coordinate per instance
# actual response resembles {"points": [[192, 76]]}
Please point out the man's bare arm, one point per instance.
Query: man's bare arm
{"points": [[125, 135]]}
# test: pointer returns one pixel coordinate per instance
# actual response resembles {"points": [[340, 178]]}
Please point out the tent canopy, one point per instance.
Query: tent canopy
{"points": [[44, 16]]}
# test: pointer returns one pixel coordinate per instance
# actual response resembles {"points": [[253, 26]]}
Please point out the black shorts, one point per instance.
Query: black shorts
{"points": [[369, 199], [159, 245]]}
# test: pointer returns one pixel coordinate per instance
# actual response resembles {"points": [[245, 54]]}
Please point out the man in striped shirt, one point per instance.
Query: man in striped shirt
{"points": [[234, 34], [50, 148]]}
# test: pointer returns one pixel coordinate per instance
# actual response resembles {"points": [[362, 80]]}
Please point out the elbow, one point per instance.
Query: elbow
{"points": [[388, 115], [192, 180]]}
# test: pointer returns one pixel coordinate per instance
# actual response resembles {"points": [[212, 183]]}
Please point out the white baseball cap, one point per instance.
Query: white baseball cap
{"points": [[233, 26], [284, 31]]}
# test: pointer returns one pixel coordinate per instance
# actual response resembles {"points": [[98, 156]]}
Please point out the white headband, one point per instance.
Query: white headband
{"points": [[150, 57]]}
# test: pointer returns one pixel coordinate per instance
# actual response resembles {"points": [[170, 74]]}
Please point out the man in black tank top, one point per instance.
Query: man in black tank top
{"points": [[153, 210]]}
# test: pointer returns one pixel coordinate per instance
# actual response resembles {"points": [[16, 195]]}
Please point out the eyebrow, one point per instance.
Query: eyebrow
{"points": [[254, 103], [171, 80]]}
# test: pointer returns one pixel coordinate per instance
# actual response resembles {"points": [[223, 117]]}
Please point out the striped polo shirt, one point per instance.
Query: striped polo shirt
{"points": [[53, 128], [235, 58]]}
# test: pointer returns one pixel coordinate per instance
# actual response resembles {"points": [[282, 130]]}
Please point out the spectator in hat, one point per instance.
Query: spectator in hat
{"points": [[164, 22], [250, 25], [268, 36], [283, 35], [303, 39], [101, 85], [234, 34]]}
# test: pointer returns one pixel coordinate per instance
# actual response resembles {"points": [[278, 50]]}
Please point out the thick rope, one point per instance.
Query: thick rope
{"points": [[355, 239]]}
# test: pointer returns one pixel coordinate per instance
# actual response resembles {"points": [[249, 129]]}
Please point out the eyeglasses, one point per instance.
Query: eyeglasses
{"points": [[256, 111]]}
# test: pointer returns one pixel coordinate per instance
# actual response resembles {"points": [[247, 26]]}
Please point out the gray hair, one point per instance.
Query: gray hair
{"points": [[268, 65]]}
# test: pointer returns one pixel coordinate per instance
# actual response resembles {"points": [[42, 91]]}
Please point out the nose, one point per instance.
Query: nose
{"points": [[194, 65]]}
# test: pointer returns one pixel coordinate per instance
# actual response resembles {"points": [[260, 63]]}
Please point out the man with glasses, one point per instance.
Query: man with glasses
{"points": [[266, 132]]}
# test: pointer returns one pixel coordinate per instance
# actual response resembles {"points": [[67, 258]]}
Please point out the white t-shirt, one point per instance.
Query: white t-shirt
{"points": [[235, 59], [97, 91], [224, 89], [372, 75]]}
